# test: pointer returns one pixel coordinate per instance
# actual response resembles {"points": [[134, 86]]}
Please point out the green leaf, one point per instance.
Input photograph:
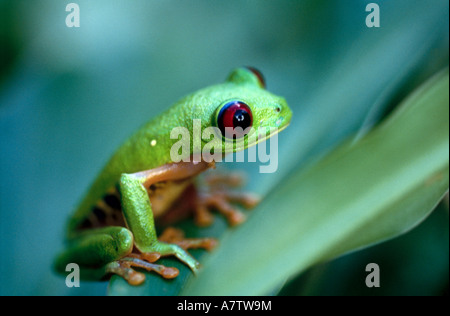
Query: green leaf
{"points": [[414, 264], [357, 195]]}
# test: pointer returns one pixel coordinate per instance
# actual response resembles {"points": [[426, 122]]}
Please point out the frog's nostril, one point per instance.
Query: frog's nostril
{"points": [[278, 109]]}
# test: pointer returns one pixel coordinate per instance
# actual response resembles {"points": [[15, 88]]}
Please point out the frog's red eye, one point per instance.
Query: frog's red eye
{"points": [[258, 75], [234, 114]]}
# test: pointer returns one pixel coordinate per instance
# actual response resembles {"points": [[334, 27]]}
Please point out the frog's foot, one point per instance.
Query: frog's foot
{"points": [[217, 197], [123, 267], [222, 202], [176, 236]]}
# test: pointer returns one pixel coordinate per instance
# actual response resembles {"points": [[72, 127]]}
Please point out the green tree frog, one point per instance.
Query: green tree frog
{"points": [[113, 229]]}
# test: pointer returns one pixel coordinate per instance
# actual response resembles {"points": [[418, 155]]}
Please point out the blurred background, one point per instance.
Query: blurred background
{"points": [[70, 96]]}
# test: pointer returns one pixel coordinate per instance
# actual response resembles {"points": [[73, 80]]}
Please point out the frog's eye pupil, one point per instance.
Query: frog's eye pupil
{"points": [[235, 117], [241, 119]]}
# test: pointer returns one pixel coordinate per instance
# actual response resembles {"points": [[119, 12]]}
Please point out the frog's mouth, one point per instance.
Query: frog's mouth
{"points": [[255, 136], [266, 132], [273, 130]]}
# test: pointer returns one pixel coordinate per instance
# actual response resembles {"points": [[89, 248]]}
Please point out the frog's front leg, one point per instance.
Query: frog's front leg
{"points": [[138, 212]]}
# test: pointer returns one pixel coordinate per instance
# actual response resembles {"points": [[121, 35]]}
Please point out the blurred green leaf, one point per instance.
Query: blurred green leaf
{"points": [[357, 195], [415, 263]]}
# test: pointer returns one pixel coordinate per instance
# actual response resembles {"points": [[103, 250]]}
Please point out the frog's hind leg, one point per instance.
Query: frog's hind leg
{"points": [[104, 251], [92, 249], [96, 247]]}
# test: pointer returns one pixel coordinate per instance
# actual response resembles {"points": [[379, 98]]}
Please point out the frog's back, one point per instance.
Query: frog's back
{"points": [[148, 148], [101, 204]]}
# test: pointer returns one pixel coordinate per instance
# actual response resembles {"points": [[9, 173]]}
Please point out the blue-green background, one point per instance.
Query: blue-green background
{"points": [[70, 96]]}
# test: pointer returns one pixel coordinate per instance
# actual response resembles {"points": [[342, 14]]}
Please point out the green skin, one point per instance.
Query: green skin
{"points": [[93, 250]]}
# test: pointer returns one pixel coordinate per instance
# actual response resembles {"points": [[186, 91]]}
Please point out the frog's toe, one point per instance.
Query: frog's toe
{"points": [[124, 270], [222, 202], [176, 236], [123, 267]]}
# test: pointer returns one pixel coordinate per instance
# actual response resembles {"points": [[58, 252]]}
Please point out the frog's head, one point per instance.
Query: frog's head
{"points": [[242, 106]]}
